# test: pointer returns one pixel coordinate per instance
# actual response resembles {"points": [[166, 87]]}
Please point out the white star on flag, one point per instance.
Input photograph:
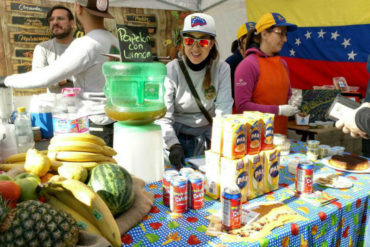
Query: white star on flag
{"points": [[292, 52], [351, 55], [308, 35], [335, 35], [346, 43], [321, 33], [298, 41]]}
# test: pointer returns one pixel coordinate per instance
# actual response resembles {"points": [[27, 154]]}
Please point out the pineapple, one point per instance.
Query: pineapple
{"points": [[33, 223]]}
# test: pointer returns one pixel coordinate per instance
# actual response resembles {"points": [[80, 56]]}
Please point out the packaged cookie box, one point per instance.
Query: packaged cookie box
{"points": [[213, 169], [235, 172]]}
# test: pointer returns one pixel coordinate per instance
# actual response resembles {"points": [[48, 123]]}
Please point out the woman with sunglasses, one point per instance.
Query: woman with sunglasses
{"points": [[262, 78], [186, 129]]}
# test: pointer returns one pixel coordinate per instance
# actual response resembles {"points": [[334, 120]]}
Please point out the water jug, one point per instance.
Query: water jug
{"points": [[134, 91]]}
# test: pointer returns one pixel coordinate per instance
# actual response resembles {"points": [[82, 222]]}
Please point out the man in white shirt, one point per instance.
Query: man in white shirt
{"points": [[61, 24], [83, 59]]}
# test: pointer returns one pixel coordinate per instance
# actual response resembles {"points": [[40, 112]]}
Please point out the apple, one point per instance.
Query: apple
{"points": [[5, 177], [28, 184], [28, 176]]}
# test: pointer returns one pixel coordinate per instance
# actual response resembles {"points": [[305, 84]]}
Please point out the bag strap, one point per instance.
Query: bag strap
{"points": [[194, 92]]}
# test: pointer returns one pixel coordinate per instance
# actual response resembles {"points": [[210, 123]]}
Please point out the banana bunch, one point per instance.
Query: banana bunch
{"points": [[87, 207], [83, 149], [16, 160]]}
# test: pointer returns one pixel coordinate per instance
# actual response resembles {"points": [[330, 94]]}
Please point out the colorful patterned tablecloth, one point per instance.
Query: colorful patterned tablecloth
{"points": [[341, 223]]}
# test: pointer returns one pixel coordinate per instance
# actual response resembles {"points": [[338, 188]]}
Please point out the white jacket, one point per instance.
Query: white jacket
{"points": [[181, 105]]}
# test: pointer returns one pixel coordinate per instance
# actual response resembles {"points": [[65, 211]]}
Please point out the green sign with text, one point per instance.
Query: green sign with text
{"points": [[134, 44]]}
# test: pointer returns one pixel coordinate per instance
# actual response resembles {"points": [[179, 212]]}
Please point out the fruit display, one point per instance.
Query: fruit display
{"points": [[58, 178], [36, 162], [117, 193], [9, 190], [88, 204], [73, 172], [79, 148], [33, 223], [28, 184], [82, 222]]}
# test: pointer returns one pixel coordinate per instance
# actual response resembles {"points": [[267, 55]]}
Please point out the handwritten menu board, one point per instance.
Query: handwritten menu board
{"points": [[134, 44]]}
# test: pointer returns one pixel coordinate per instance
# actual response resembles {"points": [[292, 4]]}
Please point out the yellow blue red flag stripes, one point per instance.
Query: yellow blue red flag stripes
{"points": [[333, 39]]}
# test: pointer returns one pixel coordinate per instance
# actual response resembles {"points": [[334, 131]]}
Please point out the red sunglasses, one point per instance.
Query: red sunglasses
{"points": [[202, 42]]}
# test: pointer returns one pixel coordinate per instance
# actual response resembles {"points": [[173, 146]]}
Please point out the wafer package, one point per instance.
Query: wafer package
{"points": [[235, 172], [272, 169], [256, 175]]}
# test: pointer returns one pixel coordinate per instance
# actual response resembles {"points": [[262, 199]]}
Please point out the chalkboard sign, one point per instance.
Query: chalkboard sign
{"points": [[134, 44], [317, 102]]}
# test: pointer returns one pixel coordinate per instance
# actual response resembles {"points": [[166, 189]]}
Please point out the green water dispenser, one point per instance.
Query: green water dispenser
{"points": [[134, 91]]}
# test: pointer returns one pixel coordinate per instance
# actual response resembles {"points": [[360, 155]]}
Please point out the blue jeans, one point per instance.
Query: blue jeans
{"points": [[194, 141]]}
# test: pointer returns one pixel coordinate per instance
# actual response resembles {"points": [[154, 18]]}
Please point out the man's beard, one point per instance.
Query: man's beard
{"points": [[64, 34]]}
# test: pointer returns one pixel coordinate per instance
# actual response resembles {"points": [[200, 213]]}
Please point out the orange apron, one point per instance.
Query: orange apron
{"points": [[272, 88]]}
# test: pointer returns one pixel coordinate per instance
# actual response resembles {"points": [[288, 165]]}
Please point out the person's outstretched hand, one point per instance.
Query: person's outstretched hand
{"points": [[287, 110], [348, 124], [177, 156]]}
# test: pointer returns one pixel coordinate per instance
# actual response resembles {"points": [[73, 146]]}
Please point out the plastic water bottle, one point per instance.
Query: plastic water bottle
{"points": [[23, 131], [66, 116]]}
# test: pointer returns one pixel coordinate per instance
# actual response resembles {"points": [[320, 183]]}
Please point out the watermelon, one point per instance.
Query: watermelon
{"points": [[114, 185]]}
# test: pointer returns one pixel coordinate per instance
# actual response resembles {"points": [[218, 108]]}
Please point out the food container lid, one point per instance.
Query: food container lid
{"points": [[313, 142], [324, 146]]}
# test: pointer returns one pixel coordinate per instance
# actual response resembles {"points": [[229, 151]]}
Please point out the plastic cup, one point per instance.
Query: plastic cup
{"points": [[313, 144]]}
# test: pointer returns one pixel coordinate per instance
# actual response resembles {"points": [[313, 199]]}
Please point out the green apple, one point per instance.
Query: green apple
{"points": [[28, 184], [5, 177], [28, 176]]}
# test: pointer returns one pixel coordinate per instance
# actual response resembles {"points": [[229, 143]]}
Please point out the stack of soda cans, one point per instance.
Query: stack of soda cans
{"points": [[183, 190]]}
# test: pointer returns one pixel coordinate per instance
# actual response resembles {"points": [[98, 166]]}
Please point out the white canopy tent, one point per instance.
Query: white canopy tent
{"points": [[188, 5]]}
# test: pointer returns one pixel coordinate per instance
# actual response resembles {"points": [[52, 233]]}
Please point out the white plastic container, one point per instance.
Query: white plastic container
{"points": [[282, 143], [339, 150], [292, 166], [140, 150], [299, 120], [8, 142], [313, 144], [23, 131]]}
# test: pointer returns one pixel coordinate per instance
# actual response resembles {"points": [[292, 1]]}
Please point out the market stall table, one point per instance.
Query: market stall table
{"points": [[309, 133], [341, 223]]}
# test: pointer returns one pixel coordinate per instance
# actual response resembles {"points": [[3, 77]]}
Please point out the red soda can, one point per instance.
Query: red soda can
{"points": [[166, 183], [231, 208], [196, 191], [179, 195], [304, 177]]}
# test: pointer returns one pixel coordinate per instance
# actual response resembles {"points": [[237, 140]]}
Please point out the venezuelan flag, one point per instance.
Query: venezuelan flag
{"points": [[333, 39]]}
